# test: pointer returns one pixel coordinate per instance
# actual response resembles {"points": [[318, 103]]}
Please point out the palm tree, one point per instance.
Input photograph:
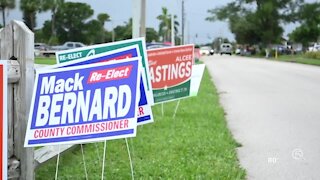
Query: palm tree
{"points": [[6, 4], [53, 6], [30, 9], [165, 24], [103, 17]]}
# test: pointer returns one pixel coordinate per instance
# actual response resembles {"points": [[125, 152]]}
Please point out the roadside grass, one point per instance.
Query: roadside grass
{"points": [[196, 144], [300, 58], [45, 60]]}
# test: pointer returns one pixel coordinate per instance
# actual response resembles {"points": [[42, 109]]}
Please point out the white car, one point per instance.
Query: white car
{"points": [[314, 48], [238, 51], [206, 50], [68, 45], [226, 48]]}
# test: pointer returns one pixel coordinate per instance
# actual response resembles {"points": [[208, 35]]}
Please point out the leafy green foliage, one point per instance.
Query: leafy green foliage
{"points": [[103, 17], [313, 55], [44, 34], [165, 25], [124, 32], [151, 35], [259, 25], [30, 9], [196, 144], [53, 6], [217, 42], [71, 21], [309, 30], [94, 32]]}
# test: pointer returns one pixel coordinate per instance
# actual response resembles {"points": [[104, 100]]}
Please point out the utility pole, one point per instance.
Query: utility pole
{"points": [[139, 18], [182, 23], [143, 19]]}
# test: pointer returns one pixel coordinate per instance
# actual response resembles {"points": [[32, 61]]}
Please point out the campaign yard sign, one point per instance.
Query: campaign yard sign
{"points": [[170, 71], [73, 54], [3, 118], [85, 103], [144, 111], [196, 77]]}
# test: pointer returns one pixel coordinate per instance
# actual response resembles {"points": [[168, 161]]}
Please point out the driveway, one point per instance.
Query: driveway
{"points": [[273, 110]]}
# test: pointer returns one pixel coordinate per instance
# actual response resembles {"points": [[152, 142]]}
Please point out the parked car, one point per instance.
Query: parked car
{"points": [[206, 50], [156, 45], [226, 48], [314, 48], [282, 49], [238, 51], [68, 45], [41, 46]]}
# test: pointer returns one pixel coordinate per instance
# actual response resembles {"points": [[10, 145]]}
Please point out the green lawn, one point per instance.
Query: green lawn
{"points": [[45, 60], [196, 144], [298, 59]]}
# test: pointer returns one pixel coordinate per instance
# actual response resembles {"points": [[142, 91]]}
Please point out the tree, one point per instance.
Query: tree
{"points": [[165, 25], [30, 9], [309, 29], [124, 32], [103, 17], [217, 42], [241, 22], [95, 32], [151, 35], [6, 4], [45, 34], [53, 6], [71, 21], [259, 25]]}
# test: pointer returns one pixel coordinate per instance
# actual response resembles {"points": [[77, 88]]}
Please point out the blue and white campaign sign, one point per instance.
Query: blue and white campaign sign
{"points": [[144, 112], [85, 103], [77, 53]]}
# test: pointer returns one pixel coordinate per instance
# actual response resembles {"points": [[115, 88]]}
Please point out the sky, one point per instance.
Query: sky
{"points": [[197, 29]]}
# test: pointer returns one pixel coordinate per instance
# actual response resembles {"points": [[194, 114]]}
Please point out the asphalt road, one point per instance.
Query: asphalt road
{"points": [[273, 110]]}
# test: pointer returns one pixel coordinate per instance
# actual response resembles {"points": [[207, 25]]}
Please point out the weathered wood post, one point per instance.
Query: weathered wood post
{"points": [[17, 43]]}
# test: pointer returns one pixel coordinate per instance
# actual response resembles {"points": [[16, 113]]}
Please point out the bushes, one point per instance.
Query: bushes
{"points": [[262, 53], [313, 55]]}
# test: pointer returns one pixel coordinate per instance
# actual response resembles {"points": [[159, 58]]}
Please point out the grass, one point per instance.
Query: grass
{"points": [[300, 58], [196, 144], [45, 60]]}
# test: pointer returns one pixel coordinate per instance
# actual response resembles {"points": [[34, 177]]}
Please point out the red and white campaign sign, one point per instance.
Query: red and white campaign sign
{"points": [[170, 72], [3, 118]]}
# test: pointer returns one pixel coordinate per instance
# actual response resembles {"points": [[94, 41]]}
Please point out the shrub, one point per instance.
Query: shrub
{"points": [[313, 55], [262, 53], [273, 53]]}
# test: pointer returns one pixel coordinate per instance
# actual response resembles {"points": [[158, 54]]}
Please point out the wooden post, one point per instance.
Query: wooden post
{"points": [[24, 52], [17, 42]]}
